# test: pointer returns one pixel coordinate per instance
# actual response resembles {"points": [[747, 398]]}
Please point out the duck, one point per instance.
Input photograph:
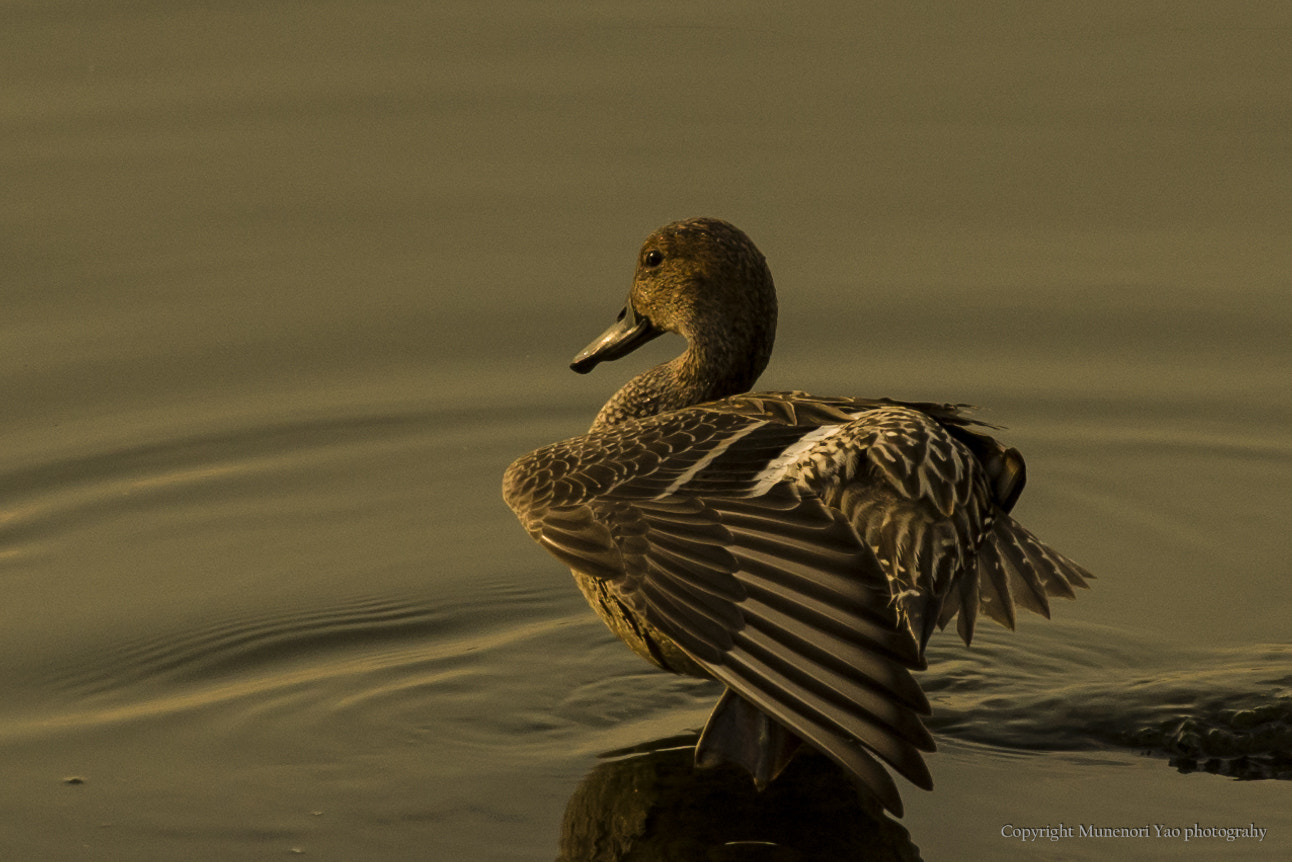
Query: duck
{"points": [[799, 549]]}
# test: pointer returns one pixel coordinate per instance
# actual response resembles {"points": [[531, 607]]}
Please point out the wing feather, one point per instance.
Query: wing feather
{"points": [[779, 699], [721, 610], [783, 542], [705, 639], [847, 651], [811, 639], [852, 622], [714, 581]]}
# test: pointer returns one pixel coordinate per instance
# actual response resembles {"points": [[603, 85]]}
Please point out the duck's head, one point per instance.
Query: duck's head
{"points": [[705, 280]]}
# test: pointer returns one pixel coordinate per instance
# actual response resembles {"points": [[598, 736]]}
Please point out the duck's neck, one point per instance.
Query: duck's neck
{"points": [[707, 371]]}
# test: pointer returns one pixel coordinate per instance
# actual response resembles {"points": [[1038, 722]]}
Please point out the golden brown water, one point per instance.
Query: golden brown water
{"points": [[286, 286]]}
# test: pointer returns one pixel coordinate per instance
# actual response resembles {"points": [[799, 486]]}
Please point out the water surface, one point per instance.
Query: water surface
{"points": [[287, 286]]}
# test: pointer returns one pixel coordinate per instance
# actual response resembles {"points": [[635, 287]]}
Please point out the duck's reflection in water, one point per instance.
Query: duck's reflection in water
{"points": [[651, 803]]}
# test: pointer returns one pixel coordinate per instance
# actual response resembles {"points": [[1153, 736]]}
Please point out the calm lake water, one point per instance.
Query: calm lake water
{"points": [[287, 285]]}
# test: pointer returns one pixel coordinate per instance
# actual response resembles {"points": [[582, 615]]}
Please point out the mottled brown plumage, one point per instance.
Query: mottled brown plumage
{"points": [[799, 549]]}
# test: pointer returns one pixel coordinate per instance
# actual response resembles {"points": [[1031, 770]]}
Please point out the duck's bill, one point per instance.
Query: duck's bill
{"points": [[628, 333]]}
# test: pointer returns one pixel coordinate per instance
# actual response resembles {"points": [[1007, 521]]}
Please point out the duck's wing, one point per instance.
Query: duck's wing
{"points": [[930, 492], [689, 519], [964, 484]]}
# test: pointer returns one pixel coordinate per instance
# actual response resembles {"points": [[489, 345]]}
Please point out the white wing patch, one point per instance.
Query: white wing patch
{"points": [[708, 459], [775, 470]]}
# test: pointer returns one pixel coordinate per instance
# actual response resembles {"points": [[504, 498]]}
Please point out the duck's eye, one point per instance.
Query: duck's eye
{"points": [[653, 258]]}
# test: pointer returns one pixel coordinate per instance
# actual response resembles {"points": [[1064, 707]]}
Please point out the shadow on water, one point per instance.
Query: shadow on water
{"points": [[651, 803]]}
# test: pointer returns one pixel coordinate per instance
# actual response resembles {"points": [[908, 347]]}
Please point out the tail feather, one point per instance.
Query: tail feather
{"points": [[740, 733], [1013, 568], [994, 586]]}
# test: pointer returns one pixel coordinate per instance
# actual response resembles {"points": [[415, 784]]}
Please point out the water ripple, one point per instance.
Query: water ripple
{"points": [[1228, 711], [339, 658]]}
